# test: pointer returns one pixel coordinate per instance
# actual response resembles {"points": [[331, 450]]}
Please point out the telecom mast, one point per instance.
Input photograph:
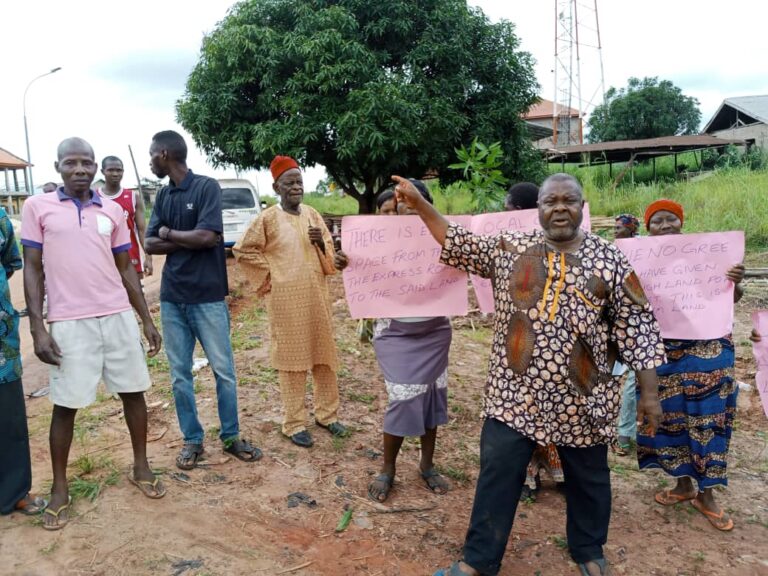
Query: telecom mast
{"points": [[579, 77]]}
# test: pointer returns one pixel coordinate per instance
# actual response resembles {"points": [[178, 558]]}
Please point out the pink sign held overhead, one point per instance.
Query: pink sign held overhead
{"points": [[395, 271], [683, 276], [497, 222], [760, 350]]}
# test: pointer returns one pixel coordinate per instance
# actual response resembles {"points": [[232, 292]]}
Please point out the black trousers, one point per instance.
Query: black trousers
{"points": [[15, 464], [504, 456]]}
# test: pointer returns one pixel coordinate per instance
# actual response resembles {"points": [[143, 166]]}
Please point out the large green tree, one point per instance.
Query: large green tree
{"points": [[365, 88], [646, 108]]}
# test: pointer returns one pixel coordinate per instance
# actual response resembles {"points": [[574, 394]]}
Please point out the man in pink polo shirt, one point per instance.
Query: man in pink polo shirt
{"points": [[93, 334]]}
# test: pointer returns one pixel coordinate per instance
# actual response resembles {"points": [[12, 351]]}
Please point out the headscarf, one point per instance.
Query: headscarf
{"points": [[281, 164], [629, 222], [663, 204], [388, 194]]}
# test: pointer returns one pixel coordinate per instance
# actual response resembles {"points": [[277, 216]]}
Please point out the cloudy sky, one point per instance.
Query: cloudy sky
{"points": [[124, 64]]}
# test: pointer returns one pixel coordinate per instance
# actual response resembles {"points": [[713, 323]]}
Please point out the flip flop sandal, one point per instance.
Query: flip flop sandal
{"points": [[668, 498], [55, 513], [433, 474], [601, 563], [620, 449], [386, 479], [189, 452], [240, 447], [718, 520], [31, 507], [154, 489], [454, 570]]}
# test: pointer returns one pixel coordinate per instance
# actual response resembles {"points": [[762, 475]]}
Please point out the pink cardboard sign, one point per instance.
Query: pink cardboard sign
{"points": [[760, 350], [683, 276], [394, 269], [496, 223]]}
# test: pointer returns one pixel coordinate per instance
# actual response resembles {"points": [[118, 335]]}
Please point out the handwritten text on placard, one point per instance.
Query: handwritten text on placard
{"points": [[683, 276], [394, 269]]}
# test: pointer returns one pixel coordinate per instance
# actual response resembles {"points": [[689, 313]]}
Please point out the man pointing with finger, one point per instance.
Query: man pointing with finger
{"points": [[567, 304]]}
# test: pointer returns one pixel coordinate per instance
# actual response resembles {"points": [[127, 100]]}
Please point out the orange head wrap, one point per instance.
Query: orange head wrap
{"points": [[281, 164], [663, 204]]}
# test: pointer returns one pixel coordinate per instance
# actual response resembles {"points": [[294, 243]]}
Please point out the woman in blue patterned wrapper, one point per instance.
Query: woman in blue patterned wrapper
{"points": [[698, 399], [15, 464]]}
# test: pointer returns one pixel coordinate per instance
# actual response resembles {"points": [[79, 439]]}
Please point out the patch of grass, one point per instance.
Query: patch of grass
{"points": [[265, 374], [620, 470], [559, 541], [727, 200], [481, 335], [50, 548], [339, 443], [213, 432], [158, 363], [361, 397], [331, 203], [84, 488], [84, 464], [453, 473]]}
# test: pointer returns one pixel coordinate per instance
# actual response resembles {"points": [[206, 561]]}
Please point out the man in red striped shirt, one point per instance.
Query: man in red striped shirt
{"points": [[132, 204]]}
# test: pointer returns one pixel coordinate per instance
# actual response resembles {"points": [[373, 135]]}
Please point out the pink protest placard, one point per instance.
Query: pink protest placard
{"points": [[496, 223], [683, 276], [394, 269], [760, 350]]}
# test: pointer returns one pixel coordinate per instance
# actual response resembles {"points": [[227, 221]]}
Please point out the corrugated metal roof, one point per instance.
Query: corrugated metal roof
{"points": [[11, 161], [753, 106], [544, 109], [622, 150]]}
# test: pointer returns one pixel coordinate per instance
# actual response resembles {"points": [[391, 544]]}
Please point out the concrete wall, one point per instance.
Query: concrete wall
{"points": [[545, 143], [758, 132]]}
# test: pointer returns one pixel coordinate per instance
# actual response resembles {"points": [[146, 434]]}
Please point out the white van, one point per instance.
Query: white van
{"points": [[240, 205]]}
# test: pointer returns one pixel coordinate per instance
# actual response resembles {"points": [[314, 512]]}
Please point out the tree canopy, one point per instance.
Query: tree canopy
{"points": [[366, 89], [646, 108]]}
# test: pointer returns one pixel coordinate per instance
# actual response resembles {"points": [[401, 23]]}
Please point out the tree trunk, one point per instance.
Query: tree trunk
{"points": [[366, 202]]}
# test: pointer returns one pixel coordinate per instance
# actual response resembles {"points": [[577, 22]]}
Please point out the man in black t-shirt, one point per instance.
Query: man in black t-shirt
{"points": [[186, 226]]}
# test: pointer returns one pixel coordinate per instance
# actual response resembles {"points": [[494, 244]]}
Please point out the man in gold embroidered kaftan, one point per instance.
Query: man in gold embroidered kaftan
{"points": [[567, 303], [287, 252]]}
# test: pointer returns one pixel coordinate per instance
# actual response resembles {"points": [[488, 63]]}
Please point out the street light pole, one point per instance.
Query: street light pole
{"points": [[30, 185]]}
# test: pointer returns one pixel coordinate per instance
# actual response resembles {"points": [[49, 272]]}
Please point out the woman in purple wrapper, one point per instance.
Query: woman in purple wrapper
{"points": [[413, 356]]}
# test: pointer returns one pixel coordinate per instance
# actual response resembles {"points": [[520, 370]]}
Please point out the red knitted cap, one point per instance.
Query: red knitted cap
{"points": [[663, 204], [281, 164]]}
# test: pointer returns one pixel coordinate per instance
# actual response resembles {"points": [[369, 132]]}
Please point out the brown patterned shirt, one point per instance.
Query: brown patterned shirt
{"points": [[561, 320]]}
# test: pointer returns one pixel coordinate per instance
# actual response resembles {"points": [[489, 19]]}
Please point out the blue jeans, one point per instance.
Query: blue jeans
{"points": [[209, 324], [628, 416]]}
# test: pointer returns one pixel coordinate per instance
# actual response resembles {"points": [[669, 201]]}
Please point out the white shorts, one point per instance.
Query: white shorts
{"points": [[108, 348]]}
